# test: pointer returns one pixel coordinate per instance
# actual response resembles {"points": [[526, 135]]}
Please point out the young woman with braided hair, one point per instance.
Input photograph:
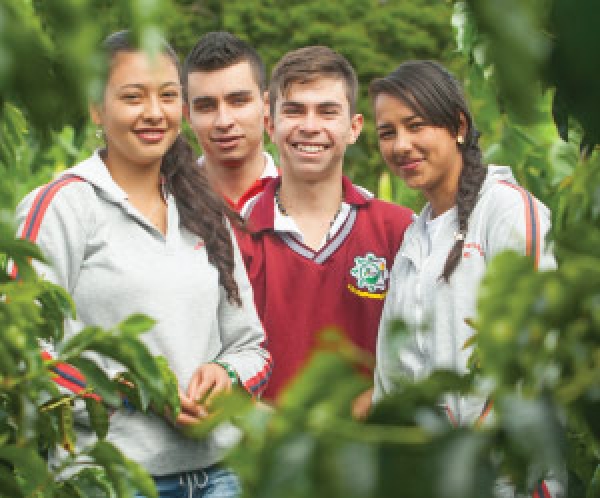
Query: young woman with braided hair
{"points": [[427, 137], [136, 228]]}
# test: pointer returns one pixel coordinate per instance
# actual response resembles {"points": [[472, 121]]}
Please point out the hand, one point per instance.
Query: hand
{"points": [[191, 412], [361, 406], [208, 380]]}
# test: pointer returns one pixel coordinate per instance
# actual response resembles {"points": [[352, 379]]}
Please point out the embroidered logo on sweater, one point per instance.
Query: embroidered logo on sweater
{"points": [[473, 249], [370, 272]]}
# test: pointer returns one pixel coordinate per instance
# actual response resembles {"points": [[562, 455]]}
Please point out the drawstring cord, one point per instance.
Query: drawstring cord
{"points": [[190, 479]]}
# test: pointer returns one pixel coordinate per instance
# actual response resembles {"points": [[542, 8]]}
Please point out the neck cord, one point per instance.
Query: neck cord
{"points": [[284, 212]]}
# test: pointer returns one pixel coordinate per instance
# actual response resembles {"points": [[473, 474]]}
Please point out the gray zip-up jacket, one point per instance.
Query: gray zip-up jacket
{"points": [[505, 217], [115, 263]]}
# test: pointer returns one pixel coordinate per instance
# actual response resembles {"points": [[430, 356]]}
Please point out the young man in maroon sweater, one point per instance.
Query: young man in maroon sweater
{"points": [[226, 106], [321, 247]]}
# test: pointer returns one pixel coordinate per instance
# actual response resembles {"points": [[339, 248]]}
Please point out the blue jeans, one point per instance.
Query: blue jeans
{"points": [[212, 482]]}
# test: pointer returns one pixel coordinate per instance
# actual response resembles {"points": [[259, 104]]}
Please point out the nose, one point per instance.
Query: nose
{"points": [[401, 144], [153, 109], [224, 119], [310, 123]]}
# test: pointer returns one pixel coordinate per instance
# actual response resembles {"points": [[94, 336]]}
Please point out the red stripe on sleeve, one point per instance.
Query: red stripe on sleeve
{"points": [[545, 490], [32, 210], [451, 416], [529, 216], [69, 377], [537, 248], [258, 383], [38, 209], [37, 221], [487, 408]]}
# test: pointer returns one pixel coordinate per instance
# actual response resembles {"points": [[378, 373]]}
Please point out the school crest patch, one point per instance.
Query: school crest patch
{"points": [[370, 272]]}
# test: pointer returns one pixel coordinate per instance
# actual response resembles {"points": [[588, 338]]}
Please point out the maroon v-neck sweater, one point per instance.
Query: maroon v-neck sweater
{"points": [[299, 292]]}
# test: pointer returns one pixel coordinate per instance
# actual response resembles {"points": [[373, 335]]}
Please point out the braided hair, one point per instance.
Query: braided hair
{"points": [[432, 93], [202, 211]]}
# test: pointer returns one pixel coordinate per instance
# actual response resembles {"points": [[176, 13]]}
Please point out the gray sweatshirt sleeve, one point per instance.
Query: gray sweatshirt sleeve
{"points": [[518, 221], [55, 220], [242, 334], [56, 217], [59, 218]]}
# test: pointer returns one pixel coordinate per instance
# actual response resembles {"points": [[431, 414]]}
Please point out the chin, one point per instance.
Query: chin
{"points": [[412, 184]]}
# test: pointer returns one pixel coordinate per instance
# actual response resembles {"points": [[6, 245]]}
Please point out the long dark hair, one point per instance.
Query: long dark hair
{"points": [[436, 96], [201, 210]]}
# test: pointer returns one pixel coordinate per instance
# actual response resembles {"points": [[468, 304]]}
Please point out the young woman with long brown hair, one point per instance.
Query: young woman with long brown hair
{"points": [[428, 138], [135, 228]]}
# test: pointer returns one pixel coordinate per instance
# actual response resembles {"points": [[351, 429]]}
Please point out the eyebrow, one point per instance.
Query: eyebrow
{"points": [[320, 105], [291, 103], [239, 93], [141, 86], [404, 120], [232, 95], [330, 104]]}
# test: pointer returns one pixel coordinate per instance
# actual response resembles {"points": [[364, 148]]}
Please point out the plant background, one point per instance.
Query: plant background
{"points": [[530, 71]]}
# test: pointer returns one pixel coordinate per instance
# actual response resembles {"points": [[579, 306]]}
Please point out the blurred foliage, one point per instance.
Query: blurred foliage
{"points": [[529, 74], [36, 418], [374, 35], [518, 133], [46, 77]]}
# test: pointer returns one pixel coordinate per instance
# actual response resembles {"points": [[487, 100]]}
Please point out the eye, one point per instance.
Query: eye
{"points": [[240, 100], [204, 106], [170, 94], [131, 98], [386, 134], [415, 125]]}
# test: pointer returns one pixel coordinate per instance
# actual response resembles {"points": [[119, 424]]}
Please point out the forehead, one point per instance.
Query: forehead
{"points": [[140, 68], [318, 91], [236, 78], [389, 108]]}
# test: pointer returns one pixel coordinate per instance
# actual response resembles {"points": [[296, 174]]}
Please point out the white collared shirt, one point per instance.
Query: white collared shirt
{"points": [[285, 223]]}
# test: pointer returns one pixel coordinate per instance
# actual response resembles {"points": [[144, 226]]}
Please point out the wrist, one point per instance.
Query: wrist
{"points": [[231, 373]]}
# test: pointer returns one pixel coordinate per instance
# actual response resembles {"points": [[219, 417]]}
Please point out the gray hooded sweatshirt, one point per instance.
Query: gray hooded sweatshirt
{"points": [[115, 263]]}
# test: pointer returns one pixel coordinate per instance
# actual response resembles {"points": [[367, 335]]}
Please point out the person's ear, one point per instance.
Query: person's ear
{"points": [[267, 110], [356, 126], [463, 127], [270, 127], [95, 114]]}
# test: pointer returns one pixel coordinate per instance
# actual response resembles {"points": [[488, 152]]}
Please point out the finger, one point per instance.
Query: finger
{"points": [[188, 405], [361, 406], [185, 419], [203, 390], [220, 386], [194, 383]]}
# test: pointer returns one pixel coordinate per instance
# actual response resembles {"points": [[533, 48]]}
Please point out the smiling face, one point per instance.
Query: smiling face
{"points": [[141, 110], [226, 110], [312, 126], [426, 157]]}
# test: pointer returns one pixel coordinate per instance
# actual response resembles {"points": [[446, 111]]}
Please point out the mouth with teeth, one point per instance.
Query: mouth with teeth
{"points": [[310, 148]]}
